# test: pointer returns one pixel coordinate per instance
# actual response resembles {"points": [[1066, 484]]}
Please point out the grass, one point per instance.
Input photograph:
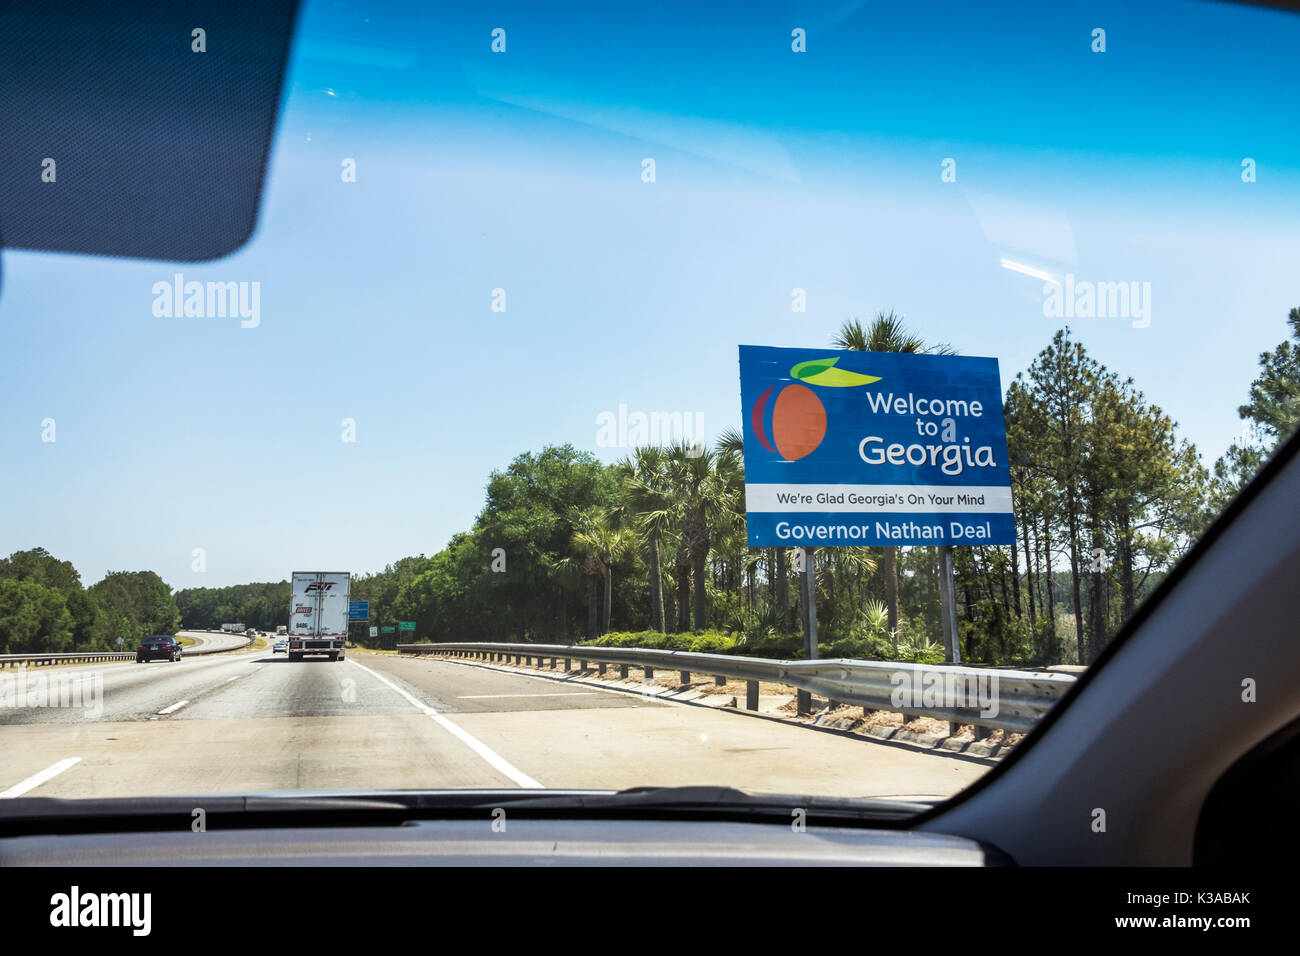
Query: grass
{"points": [[370, 650]]}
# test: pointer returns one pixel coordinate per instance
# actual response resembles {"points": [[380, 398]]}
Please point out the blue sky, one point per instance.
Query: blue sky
{"points": [[522, 171]]}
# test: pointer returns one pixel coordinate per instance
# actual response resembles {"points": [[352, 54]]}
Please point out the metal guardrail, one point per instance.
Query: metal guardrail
{"points": [[1010, 700], [90, 657], [7, 660]]}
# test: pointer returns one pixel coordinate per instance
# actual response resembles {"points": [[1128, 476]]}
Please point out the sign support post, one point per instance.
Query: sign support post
{"points": [[948, 605], [808, 584]]}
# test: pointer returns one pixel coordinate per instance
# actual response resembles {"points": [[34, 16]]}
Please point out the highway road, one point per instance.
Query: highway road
{"points": [[253, 721], [206, 640]]}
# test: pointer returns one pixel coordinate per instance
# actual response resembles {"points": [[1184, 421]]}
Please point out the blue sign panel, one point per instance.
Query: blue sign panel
{"points": [[358, 610], [873, 448]]}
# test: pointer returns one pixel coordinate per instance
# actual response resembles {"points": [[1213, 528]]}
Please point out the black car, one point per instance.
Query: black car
{"points": [[155, 646]]}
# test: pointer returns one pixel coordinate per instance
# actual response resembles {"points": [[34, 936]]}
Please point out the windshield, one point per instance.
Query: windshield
{"points": [[796, 397]]}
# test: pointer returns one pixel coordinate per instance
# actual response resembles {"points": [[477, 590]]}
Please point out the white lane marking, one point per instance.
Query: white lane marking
{"points": [[31, 783], [236, 677], [176, 706], [495, 760], [584, 693]]}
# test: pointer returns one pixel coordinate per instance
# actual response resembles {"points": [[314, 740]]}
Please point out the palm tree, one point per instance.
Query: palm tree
{"points": [[703, 484], [682, 575], [732, 443], [599, 542], [886, 333], [647, 500]]}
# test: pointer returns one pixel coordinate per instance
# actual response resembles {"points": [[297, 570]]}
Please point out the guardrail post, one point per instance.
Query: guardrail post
{"points": [[622, 672], [567, 663], [685, 677], [751, 695], [601, 666], [582, 665], [803, 702], [719, 682], [647, 674]]}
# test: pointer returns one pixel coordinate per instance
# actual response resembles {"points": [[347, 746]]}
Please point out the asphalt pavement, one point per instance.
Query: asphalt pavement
{"points": [[254, 721]]}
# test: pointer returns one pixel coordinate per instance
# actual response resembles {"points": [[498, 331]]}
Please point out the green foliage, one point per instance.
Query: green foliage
{"points": [[784, 647], [1272, 415], [34, 619], [257, 605], [651, 552], [136, 603], [1102, 486], [698, 642], [45, 610]]}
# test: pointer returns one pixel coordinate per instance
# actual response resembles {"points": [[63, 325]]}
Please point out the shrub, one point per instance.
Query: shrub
{"points": [[699, 642]]}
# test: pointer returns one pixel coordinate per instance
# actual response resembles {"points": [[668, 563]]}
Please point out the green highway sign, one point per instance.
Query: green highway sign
{"points": [[387, 629], [406, 625]]}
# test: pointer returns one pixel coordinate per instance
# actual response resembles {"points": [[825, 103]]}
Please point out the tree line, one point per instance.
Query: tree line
{"points": [[1107, 496], [261, 605], [44, 609]]}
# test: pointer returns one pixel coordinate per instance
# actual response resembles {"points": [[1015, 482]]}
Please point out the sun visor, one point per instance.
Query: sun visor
{"points": [[137, 129]]}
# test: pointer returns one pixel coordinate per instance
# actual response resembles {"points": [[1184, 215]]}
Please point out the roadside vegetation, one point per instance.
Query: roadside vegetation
{"points": [[650, 551]]}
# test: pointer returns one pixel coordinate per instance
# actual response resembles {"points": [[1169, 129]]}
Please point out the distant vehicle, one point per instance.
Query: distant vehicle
{"points": [[251, 633], [279, 647], [281, 630], [158, 646], [318, 613], [232, 628]]}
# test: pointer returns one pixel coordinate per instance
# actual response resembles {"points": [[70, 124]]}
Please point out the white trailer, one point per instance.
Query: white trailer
{"points": [[318, 613]]}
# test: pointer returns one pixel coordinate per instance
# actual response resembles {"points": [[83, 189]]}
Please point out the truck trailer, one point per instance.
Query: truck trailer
{"points": [[318, 613]]}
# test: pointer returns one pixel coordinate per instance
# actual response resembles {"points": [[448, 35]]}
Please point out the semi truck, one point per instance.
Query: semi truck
{"points": [[318, 613]]}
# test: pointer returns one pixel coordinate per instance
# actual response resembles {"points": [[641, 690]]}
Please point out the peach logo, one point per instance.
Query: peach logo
{"points": [[798, 420]]}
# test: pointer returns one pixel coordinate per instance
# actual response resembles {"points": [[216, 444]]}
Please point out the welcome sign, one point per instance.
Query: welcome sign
{"points": [[873, 448]]}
